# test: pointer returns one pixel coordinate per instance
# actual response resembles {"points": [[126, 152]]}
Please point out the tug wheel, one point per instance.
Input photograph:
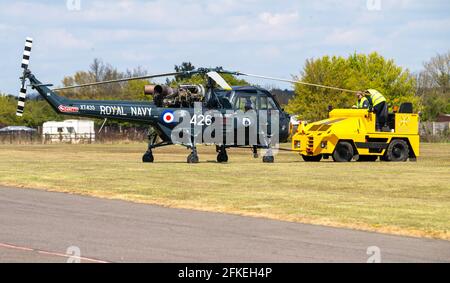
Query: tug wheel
{"points": [[367, 158], [343, 152], [308, 158], [397, 151]]}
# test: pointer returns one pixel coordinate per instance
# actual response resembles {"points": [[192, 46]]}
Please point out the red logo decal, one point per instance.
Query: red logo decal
{"points": [[68, 109]]}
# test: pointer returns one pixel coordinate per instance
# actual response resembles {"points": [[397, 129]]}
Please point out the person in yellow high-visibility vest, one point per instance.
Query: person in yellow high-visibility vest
{"points": [[378, 102], [363, 102]]}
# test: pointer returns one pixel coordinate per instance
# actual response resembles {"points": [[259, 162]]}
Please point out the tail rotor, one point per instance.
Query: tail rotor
{"points": [[25, 64]]}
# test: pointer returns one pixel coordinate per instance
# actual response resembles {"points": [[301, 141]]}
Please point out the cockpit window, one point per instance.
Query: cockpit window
{"points": [[267, 103], [224, 93], [221, 98], [246, 103]]}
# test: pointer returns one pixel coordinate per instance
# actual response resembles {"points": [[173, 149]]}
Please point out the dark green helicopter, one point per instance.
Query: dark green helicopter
{"points": [[188, 115]]}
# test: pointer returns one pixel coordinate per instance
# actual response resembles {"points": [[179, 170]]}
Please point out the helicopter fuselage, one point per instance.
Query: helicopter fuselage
{"points": [[241, 111]]}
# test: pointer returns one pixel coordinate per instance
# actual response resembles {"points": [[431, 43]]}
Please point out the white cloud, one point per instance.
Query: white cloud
{"points": [[223, 7], [429, 25], [419, 29], [348, 37], [269, 52], [278, 19], [337, 5], [60, 38], [268, 36]]}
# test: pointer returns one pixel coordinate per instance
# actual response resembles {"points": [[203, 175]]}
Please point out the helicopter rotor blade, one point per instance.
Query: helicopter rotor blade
{"points": [[219, 80], [121, 80], [296, 82], [23, 88]]}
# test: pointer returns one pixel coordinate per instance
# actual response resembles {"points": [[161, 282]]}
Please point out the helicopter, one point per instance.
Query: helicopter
{"points": [[188, 115]]}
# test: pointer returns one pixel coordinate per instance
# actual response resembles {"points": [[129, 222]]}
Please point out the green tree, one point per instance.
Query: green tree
{"points": [[36, 113], [98, 72], [357, 72], [184, 67], [134, 90], [234, 81], [433, 86], [199, 79], [8, 108]]}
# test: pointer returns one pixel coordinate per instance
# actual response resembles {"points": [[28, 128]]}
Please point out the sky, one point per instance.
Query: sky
{"points": [[272, 38]]}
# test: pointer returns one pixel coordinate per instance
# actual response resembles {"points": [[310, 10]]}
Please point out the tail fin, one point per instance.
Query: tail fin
{"points": [[23, 89]]}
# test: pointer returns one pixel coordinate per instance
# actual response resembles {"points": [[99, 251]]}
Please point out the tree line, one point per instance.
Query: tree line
{"points": [[37, 111], [428, 90]]}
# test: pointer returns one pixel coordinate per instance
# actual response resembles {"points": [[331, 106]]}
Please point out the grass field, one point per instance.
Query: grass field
{"points": [[400, 198]]}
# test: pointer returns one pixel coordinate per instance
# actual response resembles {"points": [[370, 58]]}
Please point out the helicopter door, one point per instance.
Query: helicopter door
{"points": [[267, 105], [248, 103]]}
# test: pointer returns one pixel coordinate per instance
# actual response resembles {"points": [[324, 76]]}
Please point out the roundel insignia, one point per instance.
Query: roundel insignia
{"points": [[247, 122], [168, 117]]}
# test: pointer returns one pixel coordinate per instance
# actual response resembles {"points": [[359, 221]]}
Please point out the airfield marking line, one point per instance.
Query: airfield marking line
{"points": [[70, 256], [15, 247], [2, 245]]}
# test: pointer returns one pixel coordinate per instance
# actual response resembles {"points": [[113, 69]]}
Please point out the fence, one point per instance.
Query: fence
{"points": [[122, 134], [20, 137], [107, 135], [429, 132], [68, 138], [435, 131]]}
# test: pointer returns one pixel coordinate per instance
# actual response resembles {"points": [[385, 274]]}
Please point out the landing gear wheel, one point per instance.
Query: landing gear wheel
{"points": [[308, 158], [367, 158], [268, 159], [255, 152], [148, 157], [397, 151], [343, 152], [193, 158], [222, 157]]}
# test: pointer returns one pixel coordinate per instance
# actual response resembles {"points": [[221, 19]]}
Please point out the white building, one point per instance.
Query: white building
{"points": [[69, 131]]}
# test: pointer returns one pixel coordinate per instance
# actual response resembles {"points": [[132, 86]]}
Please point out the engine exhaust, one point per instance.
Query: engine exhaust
{"points": [[158, 90]]}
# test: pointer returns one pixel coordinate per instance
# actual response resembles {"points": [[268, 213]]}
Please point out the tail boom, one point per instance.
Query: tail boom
{"points": [[132, 111]]}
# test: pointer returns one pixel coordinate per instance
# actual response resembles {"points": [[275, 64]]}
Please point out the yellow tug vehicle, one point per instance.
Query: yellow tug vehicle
{"points": [[349, 134]]}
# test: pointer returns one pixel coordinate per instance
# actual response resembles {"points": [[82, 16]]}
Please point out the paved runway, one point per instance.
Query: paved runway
{"points": [[38, 226]]}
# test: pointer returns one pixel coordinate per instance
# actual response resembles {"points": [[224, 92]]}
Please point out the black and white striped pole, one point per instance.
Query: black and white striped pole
{"points": [[25, 64]]}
